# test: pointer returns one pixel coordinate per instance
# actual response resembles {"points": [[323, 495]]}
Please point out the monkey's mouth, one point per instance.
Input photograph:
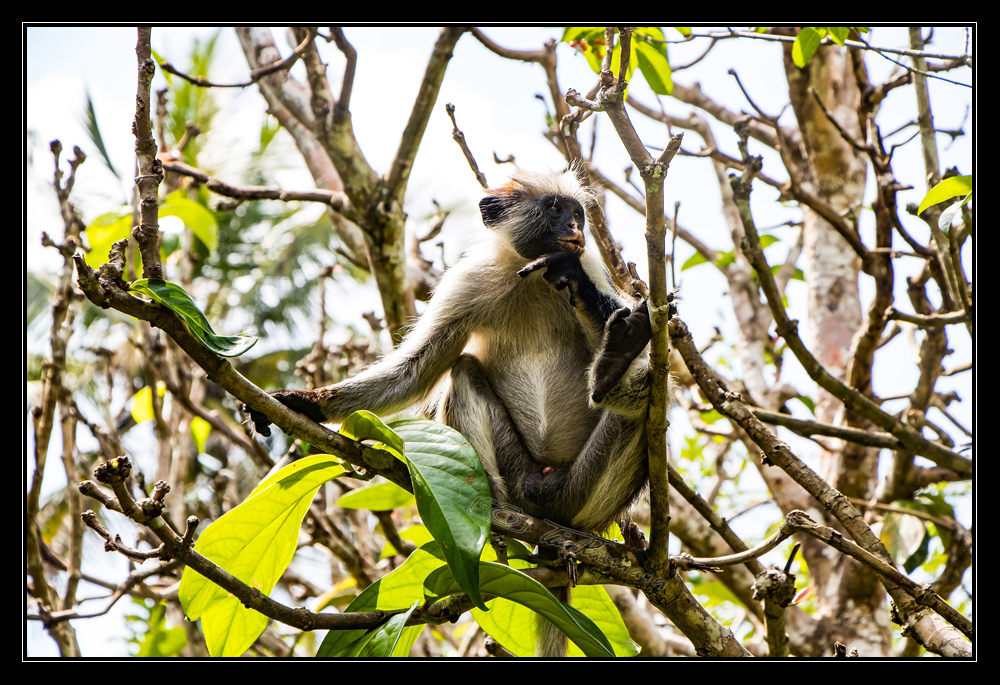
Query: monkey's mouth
{"points": [[574, 243]]}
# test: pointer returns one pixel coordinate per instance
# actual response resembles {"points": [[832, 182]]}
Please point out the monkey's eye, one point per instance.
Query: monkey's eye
{"points": [[554, 204]]}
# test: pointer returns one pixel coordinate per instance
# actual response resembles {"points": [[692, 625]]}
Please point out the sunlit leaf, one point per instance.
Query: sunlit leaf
{"points": [[105, 231], [956, 186], [378, 497], [200, 430], [142, 402], [195, 216], [255, 542], [806, 44], [364, 425], [394, 591], [652, 60], [503, 581], [839, 33]]}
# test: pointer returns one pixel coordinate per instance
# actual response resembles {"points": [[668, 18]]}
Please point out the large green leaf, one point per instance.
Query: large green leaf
{"points": [[394, 591], [255, 542], [176, 299], [504, 581], [453, 496]]}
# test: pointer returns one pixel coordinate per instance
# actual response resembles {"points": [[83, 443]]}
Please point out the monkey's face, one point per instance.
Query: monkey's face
{"points": [[560, 226], [537, 225]]}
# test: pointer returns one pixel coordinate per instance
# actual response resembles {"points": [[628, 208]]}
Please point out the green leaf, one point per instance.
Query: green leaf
{"points": [[363, 425], [512, 625], [809, 403], [839, 33], [255, 542], [710, 416], [195, 216], [393, 638], [694, 260], [105, 231], [142, 402], [956, 186], [176, 299], [453, 495], [516, 627], [379, 497], [94, 132], [594, 602], [158, 641], [595, 49], [652, 59], [394, 591], [806, 44], [588, 33], [654, 67], [159, 60], [200, 430], [509, 583]]}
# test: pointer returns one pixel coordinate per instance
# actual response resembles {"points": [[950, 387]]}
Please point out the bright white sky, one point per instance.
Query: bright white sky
{"points": [[496, 109]]}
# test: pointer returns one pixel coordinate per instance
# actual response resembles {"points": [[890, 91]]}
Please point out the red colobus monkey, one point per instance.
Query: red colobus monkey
{"points": [[533, 355]]}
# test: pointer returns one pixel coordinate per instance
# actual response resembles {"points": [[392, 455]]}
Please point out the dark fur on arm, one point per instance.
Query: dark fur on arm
{"points": [[627, 334]]}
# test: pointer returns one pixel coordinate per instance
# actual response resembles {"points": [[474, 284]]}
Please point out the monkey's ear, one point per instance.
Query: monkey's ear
{"points": [[492, 209]]}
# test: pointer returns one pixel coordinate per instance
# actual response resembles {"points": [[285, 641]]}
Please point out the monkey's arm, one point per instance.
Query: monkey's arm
{"points": [[625, 337], [394, 382]]}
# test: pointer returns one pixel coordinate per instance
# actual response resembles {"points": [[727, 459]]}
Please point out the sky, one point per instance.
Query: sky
{"points": [[496, 109]]}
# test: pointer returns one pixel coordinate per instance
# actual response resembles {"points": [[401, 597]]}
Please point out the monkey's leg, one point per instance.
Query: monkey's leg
{"points": [[473, 409]]}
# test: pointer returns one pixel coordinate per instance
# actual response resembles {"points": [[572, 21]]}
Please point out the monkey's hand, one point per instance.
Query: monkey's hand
{"points": [[562, 270], [301, 401], [626, 335]]}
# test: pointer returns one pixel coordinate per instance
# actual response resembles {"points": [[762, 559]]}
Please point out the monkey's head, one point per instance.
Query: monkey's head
{"points": [[540, 214]]}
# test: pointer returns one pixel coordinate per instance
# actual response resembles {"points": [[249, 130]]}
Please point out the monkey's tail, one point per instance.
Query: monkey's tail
{"points": [[552, 642]]}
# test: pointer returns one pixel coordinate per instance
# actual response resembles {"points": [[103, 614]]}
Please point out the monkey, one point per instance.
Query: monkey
{"points": [[529, 350]]}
